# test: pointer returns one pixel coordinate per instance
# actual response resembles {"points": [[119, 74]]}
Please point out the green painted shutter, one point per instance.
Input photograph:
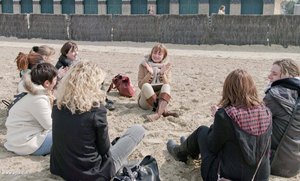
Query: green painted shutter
{"points": [[47, 6], [214, 6], [90, 6], [26, 6], [114, 6], [163, 7], [188, 6], [68, 6], [252, 6], [139, 7], [7, 6]]}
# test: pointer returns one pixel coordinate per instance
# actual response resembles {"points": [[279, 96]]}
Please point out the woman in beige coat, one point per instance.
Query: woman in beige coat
{"points": [[154, 81]]}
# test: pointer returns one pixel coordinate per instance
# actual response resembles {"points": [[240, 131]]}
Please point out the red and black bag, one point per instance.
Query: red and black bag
{"points": [[123, 85]]}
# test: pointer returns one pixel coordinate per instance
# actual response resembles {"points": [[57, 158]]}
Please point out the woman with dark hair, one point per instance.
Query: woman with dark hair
{"points": [[69, 52], [29, 121], [238, 138]]}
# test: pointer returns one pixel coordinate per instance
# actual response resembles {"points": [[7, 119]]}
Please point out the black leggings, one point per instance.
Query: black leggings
{"points": [[197, 144]]}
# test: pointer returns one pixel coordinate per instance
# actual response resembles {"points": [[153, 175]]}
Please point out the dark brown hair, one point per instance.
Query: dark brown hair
{"points": [[70, 45], [42, 72]]}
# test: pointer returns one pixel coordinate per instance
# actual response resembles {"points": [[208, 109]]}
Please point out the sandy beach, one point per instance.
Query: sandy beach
{"points": [[198, 75]]}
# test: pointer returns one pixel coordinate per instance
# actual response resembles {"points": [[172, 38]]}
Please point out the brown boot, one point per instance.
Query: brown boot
{"points": [[170, 113], [151, 100], [162, 106]]}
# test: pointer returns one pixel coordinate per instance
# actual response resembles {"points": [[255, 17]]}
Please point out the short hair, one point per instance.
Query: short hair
{"points": [[288, 67], [42, 72], [70, 45], [27, 61], [159, 47], [239, 90], [80, 89], [43, 50]]}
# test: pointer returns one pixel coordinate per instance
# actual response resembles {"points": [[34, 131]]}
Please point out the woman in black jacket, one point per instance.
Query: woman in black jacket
{"points": [[237, 139], [282, 98], [81, 147]]}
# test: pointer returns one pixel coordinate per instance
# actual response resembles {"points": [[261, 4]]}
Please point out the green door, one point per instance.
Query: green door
{"points": [[138, 6], [214, 6], [47, 6], [162, 6], [7, 6], [90, 6], [114, 6], [26, 6], [68, 6], [252, 6], [188, 6]]}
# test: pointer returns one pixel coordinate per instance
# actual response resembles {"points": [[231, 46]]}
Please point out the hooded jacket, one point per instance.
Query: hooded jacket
{"points": [[283, 100], [237, 141], [29, 120]]}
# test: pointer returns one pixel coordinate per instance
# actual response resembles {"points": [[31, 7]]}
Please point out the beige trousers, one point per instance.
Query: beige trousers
{"points": [[147, 91]]}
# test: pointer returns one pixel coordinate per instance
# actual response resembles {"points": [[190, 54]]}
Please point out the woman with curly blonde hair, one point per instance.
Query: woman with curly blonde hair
{"points": [[81, 146]]}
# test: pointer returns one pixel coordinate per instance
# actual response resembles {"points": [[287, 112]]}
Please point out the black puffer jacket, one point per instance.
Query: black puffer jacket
{"points": [[282, 98]]}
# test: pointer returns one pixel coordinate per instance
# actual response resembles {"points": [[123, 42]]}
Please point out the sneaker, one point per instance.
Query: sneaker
{"points": [[182, 139], [109, 105]]}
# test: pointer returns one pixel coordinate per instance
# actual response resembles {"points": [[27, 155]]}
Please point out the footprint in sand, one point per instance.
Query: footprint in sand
{"points": [[184, 108]]}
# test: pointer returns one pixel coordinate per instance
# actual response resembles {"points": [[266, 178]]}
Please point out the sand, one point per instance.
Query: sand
{"points": [[198, 75]]}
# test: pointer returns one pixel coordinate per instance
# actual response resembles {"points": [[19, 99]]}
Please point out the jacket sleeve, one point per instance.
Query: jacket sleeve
{"points": [[102, 137], [58, 65], [42, 111], [143, 76], [166, 77], [219, 132], [271, 104]]}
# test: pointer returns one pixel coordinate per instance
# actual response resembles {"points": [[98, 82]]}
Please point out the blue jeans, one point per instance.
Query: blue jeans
{"points": [[126, 144], [45, 148]]}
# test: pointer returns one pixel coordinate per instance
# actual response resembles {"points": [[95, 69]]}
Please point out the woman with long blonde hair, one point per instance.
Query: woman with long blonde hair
{"points": [[81, 146], [238, 138]]}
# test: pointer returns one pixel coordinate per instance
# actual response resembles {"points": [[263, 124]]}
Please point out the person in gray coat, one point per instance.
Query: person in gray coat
{"points": [[282, 98]]}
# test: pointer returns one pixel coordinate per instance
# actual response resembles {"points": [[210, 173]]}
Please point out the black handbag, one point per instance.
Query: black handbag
{"points": [[146, 170]]}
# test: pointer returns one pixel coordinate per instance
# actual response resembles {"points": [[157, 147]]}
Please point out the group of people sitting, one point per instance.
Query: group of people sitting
{"points": [[62, 112]]}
